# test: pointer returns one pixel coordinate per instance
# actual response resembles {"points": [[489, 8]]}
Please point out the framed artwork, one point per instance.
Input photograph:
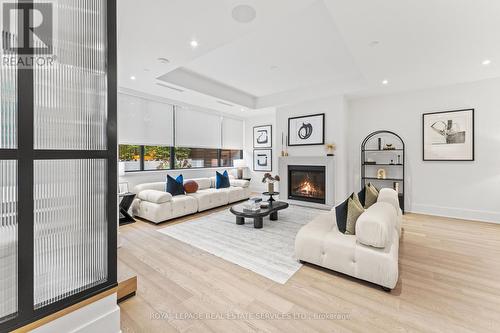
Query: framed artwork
{"points": [[306, 130], [263, 136], [448, 135], [263, 160]]}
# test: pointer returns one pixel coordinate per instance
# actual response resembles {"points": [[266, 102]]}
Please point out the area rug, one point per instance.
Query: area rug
{"points": [[268, 251]]}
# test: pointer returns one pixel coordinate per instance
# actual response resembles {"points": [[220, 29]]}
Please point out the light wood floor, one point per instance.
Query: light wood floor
{"points": [[449, 281]]}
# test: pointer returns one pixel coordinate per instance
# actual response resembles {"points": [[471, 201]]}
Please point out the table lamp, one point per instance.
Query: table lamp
{"points": [[240, 164]]}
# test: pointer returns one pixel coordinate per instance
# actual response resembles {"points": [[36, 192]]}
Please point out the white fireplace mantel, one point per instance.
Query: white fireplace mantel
{"points": [[327, 161]]}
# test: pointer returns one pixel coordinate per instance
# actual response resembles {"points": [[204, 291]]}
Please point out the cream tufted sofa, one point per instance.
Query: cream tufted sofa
{"points": [[371, 254], [156, 205]]}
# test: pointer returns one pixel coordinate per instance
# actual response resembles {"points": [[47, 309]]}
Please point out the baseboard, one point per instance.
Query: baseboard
{"points": [[100, 316], [456, 213]]}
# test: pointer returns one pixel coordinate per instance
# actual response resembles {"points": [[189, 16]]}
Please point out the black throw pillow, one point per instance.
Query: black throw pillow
{"points": [[341, 214], [175, 186], [361, 195]]}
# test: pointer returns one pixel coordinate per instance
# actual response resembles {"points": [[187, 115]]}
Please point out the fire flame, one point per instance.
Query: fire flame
{"points": [[307, 188]]}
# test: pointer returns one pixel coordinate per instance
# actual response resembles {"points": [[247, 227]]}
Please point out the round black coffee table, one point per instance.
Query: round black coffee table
{"points": [[258, 215], [271, 199]]}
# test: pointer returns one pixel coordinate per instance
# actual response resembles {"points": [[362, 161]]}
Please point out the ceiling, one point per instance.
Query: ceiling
{"points": [[302, 49]]}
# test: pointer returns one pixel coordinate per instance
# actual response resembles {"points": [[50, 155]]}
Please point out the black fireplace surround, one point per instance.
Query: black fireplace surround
{"points": [[307, 183]]}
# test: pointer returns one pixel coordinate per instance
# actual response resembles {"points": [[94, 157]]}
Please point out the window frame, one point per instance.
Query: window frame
{"points": [[172, 159]]}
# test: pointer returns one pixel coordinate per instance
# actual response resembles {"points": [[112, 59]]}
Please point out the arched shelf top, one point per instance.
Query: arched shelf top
{"points": [[380, 132]]}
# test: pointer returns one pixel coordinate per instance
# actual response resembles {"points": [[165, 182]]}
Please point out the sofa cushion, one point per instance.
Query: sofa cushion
{"points": [[210, 198], [183, 205], [155, 196], [158, 186], [341, 215], [175, 186], [222, 180], [376, 225], [203, 183], [371, 195], [354, 210], [235, 194], [239, 183]]}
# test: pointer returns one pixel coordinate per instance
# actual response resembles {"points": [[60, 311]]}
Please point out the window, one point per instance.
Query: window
{"points": [[186, 158], [150, 158], [228, 156], [156, 158], [131, 155]]}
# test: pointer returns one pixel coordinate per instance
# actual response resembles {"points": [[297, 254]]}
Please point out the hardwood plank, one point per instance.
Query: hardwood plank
{"points": [[449, 273]]}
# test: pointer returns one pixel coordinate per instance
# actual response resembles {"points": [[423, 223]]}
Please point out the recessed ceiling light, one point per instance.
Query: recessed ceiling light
{"points": [[486, 62], [147, 70], [244, 13], [243, 109], [374, 43], [163, 60], [273, 67], [385, 82], [132, 77], [194, 43]]}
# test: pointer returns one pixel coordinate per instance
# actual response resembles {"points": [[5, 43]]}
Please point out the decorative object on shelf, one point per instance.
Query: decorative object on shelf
{"points": [[395, 186], [371, 156], [263, 160], [263, 136], [240, 164], [381, 174], [389, 146], [306, 130], [330, 148], [448, 136], [270, 180]]}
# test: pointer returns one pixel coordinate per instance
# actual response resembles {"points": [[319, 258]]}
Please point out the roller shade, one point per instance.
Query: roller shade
{"points": [[196, 128], [144, 122], [232, 133]]}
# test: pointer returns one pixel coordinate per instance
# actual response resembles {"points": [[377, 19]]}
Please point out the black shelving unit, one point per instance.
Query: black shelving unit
{"points": [[379, 155]]}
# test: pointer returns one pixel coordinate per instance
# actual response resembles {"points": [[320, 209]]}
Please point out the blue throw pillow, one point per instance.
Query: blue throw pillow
{"points": [[175, 186], [222, 180]]}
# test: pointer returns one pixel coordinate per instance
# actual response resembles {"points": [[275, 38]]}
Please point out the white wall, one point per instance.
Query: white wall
{"points": [[266, 119], [466, 190], [335, 109]]}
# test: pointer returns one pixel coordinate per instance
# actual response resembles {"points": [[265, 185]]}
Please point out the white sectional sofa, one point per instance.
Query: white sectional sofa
{"points": [[154, 204], [371, 254]]}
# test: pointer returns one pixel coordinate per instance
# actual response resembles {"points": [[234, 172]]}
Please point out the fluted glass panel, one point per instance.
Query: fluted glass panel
{"points": [[70, 94], [8, 239], [8, 86], [70, 227]]}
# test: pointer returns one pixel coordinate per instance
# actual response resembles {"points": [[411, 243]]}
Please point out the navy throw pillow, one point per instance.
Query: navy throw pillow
{"points": [[175, 186], [341, 214], [361, 196], [221, 180]]}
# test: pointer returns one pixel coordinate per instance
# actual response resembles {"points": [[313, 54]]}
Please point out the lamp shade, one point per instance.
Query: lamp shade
{"points": [[121, 168], [239, 163]]}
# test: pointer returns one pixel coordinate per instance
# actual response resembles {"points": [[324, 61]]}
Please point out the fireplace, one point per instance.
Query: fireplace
{"points": [[307, 183]]}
